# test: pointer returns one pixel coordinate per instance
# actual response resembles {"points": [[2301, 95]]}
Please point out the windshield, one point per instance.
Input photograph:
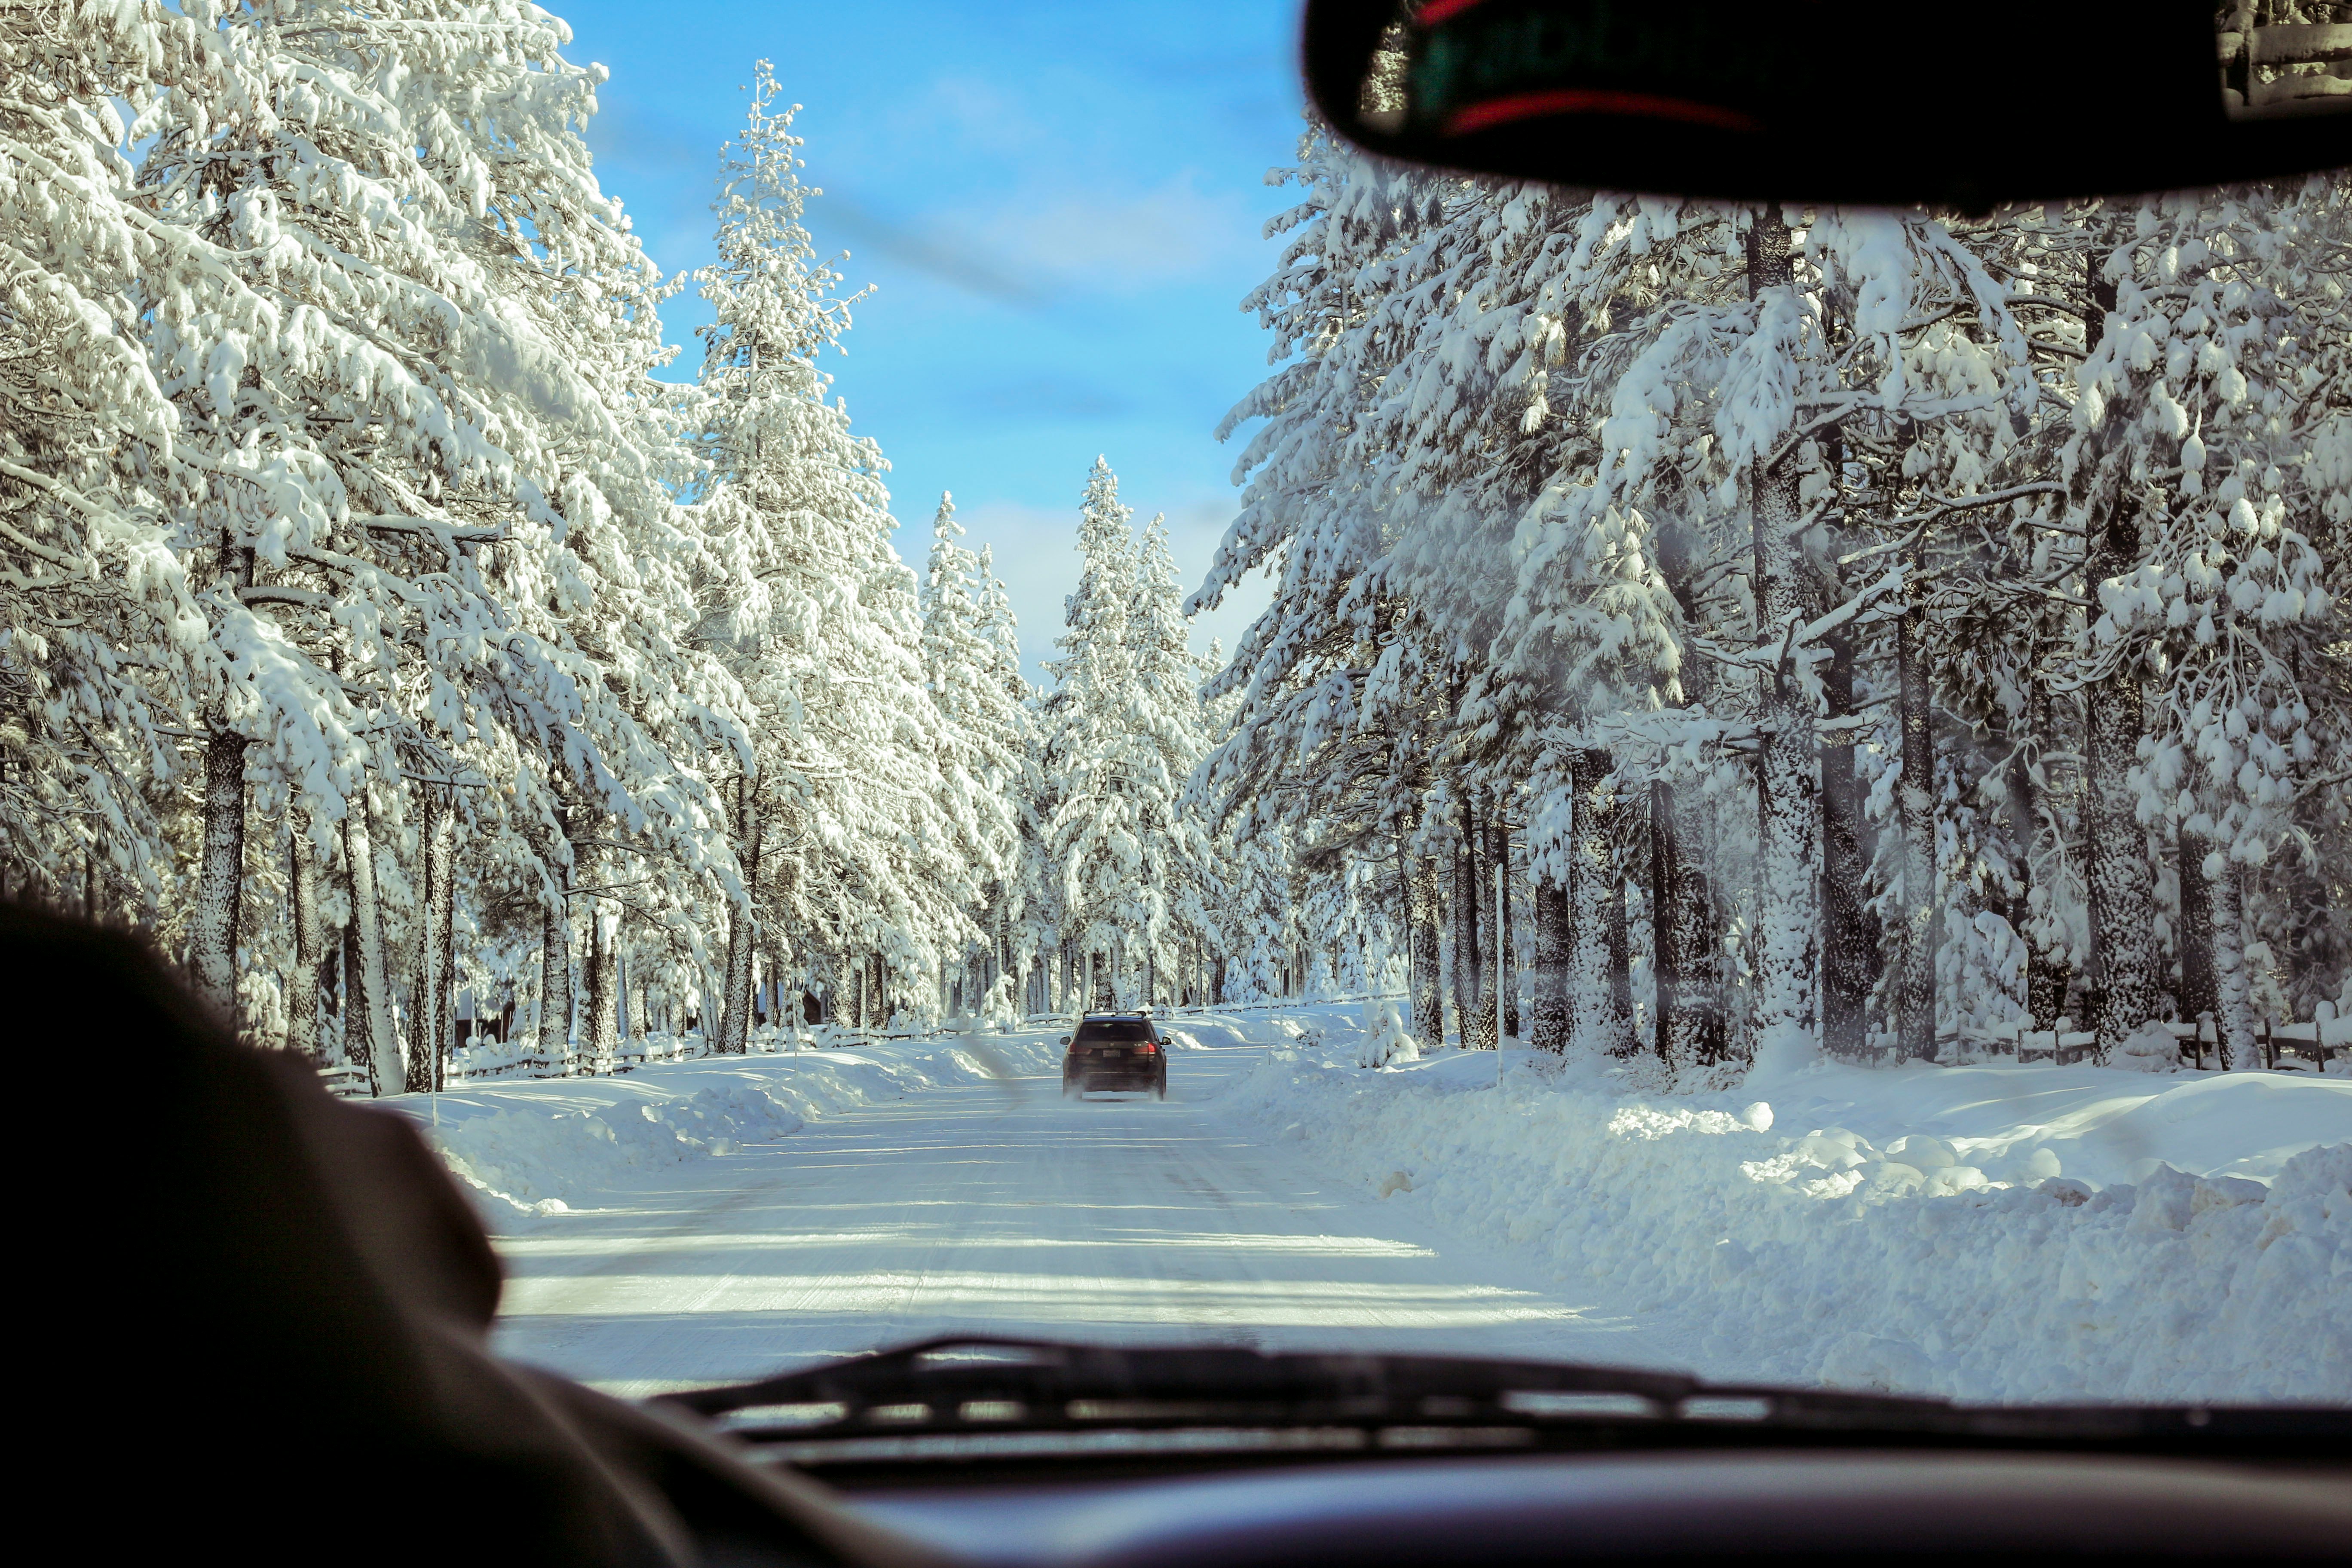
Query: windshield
{"points": [[1748, 790], [1112, 1032]]}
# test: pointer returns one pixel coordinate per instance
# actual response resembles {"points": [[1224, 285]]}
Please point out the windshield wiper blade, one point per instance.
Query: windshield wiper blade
{"points": [[968, 1384]]}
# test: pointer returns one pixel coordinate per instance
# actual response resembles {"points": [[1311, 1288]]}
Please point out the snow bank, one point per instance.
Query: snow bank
{"points": [[1998, 1234], [1221, 1030], [2101, 1125], [543, 1147]]}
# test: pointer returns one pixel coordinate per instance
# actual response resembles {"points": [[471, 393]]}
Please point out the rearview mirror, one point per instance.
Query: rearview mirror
{"points": [[1847, 101], [1065, 1040]]}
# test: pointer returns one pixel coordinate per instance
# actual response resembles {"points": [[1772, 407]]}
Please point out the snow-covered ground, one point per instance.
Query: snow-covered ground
{"points": [[1991, 1233], [538, 1148], [922, 1194], [2005, 1232]]}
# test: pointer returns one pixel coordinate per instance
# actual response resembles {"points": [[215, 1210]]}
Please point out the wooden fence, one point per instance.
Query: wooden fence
{"points": [[2314, 1042], [2256, 64]]}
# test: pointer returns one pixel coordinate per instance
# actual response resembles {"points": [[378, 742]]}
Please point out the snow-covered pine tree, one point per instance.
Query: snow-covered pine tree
{"points": [[1339, 691], [979, 714], [2206, 500], [97, 621], [1166, 736], [1092, 811], [1016, 935], [412, 374], [880, 854]]}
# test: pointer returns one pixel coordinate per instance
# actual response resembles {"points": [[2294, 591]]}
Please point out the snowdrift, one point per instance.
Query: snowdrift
{"points": [[1987, 1233], [542, 1147]]}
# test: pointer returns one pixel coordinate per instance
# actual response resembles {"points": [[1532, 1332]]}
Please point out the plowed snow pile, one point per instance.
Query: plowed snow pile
{"points": [[536, 1148], [1986, 1232]]}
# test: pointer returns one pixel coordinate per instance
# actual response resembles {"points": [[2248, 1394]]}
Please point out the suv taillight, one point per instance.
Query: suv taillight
{"points": [[1148, 1048]]}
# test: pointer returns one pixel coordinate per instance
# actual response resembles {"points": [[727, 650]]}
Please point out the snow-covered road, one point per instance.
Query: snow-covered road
{"points": [[997, 1207]]}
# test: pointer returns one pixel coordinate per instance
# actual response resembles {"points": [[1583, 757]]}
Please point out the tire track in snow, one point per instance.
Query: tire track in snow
{"points": [[1001, 1208]]}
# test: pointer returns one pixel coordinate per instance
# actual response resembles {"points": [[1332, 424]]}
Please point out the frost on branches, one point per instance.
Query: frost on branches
{"points": [[1703, 636], [1843, 632], [385, 639], [1121, 728]]}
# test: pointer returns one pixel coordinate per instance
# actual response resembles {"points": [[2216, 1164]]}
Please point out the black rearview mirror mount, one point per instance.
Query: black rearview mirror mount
{"points": [[1837, 100]]}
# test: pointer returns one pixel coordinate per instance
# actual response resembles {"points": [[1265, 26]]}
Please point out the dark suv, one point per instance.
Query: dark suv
{"points": [[1115, 1050]]}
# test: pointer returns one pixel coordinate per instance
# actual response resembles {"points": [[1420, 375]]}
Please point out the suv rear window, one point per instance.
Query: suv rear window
{"points": [[1111, 1032]]}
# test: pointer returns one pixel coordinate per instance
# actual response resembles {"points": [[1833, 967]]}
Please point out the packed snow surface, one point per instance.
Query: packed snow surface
{"points": [[533, 1148], [1989, 1233], [1993, 1233]]}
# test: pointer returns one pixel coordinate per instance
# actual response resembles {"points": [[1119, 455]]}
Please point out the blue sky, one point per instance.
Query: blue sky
{"points": [[1059, 204]]}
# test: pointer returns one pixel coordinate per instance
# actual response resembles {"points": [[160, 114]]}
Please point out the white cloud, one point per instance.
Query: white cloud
{"points": [[1116, 242], [1040, 246]]}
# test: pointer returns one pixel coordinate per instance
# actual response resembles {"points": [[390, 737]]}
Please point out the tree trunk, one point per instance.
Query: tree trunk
{"points": [[418, 1016], [215, 931], [1621, 947], [628, 1016], [2122, 894], [1498, 840], [355, 1014], [1593, 1018], [1426, 940], [336, 965], [2123, 911], [369, 1013], [1463, 905], [2051, 970], [601, 1028], [306, 1020], [1548, 1010], [2235, 1013], [2201, 994], [1687, 942], [734, 1031], [1915, 968], [2024, 831], [1849, 940], [1788, 923], [1667, 947], [1486, 1017], [445, 938], [555, 980], [431, 1029], [220, 889]]}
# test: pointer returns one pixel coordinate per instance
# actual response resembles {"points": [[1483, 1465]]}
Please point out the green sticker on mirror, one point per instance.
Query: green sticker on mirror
{"points": [[1476, 65]]}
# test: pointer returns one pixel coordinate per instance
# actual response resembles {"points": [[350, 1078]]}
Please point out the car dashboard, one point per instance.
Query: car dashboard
{"points": [[1824, 1505], [1030, 1454]]}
